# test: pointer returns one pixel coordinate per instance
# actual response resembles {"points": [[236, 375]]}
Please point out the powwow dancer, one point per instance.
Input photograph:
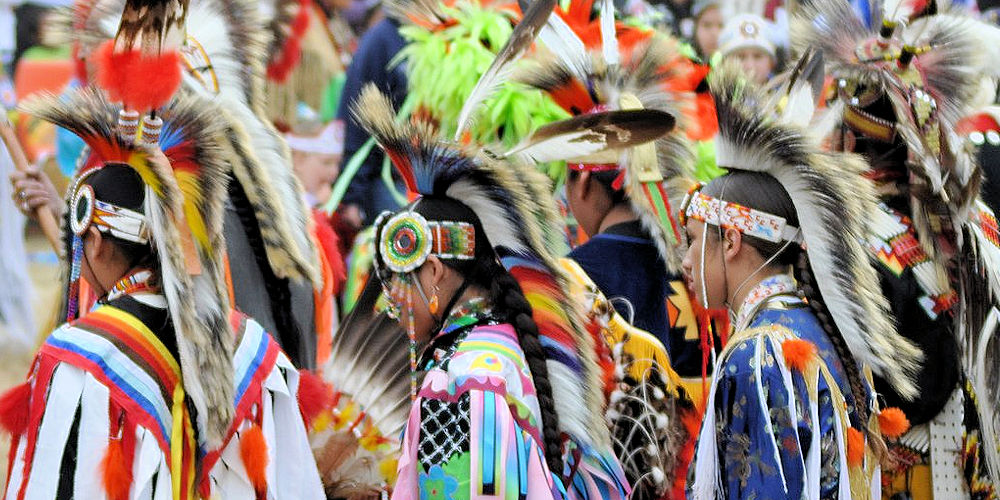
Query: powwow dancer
{"points": [[901, 88], [160, 391], [791, 412], [624, 202], [651, 418], [283, 277], [509, 404]]}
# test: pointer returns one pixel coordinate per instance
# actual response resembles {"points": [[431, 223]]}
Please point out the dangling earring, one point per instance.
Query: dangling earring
{"points": [[411, 331], [433, 305], [73, 303]]}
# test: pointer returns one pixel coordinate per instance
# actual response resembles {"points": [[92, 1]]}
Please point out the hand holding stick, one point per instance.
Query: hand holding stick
{"points": [[46, 219]]}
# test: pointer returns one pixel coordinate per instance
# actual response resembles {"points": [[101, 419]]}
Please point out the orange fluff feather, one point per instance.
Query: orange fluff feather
{"points": [[253, 452], [855, 447], [892, 422], [798, 353], [115, 471]]}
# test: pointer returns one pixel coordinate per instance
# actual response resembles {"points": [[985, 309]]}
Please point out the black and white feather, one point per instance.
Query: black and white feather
{"points": [[833, 201]]}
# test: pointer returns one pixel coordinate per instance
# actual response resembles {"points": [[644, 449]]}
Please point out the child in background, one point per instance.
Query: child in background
{"points": [[708, 24], [316, 159], [747, 39]]}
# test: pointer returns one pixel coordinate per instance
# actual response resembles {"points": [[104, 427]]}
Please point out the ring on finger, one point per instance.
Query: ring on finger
{"points": [[21, 194]]}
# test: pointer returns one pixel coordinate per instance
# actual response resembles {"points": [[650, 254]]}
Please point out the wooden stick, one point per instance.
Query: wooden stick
{"points": [[46, 219]]}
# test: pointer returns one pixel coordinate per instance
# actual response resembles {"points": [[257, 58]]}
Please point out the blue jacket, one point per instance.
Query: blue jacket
{"points": [[371, 64]]}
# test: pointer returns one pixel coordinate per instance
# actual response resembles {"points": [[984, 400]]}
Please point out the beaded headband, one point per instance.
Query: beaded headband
{"points": [[87, 210], [407, 238], [729, 215]]}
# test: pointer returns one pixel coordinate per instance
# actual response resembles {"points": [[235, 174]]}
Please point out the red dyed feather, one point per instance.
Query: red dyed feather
{"points": [[315, 395], [14, 409], [291, 53], [605, 361], [329, 242], [140, 81], [253, 452], [116, 471], [691, 419]]}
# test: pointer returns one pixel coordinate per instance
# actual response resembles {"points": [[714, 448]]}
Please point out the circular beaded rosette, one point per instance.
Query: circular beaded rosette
{"points": [[405, 242], [81, 209]]}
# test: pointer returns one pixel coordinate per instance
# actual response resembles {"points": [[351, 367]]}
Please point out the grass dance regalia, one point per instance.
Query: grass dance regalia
{"points": [[901, 88], [160, 391], [217, 49], [460, 38], [791, 411], [510, 402]]}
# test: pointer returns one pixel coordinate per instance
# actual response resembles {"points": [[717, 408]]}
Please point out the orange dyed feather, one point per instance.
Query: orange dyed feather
{"points": [[253, 452], [855, 447], [798, 353], [893, 423], [116, 472]]}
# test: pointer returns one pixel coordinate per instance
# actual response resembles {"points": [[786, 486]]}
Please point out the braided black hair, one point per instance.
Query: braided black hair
{"points": [[509, 300], [763, 192], [509, 305], [807, 282]]}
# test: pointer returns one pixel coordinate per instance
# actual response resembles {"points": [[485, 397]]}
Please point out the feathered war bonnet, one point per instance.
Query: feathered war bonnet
{"points": [[604, 65], [832, 201], [519, 218], [908, 80], [180, 219]]}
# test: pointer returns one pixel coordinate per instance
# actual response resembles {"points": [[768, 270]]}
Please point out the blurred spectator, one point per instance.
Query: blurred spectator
{"points": [[747, 39], [708, 25], [316, 156], [367, 195], [362, 14]]}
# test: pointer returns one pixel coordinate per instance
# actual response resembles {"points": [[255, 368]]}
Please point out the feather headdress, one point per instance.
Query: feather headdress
{"points": [[461, 39], [223, 57], [520, 220], [832, 209], [509, 203], [921, 65], [635, 74], [923, 68], [185, 190]]}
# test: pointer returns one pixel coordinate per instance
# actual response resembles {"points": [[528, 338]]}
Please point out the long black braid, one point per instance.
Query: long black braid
{"points": [[509, 305], [807, 282]]}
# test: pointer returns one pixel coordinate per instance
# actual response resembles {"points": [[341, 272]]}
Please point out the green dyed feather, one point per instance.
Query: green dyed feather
{"points": [[443, 67]]}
